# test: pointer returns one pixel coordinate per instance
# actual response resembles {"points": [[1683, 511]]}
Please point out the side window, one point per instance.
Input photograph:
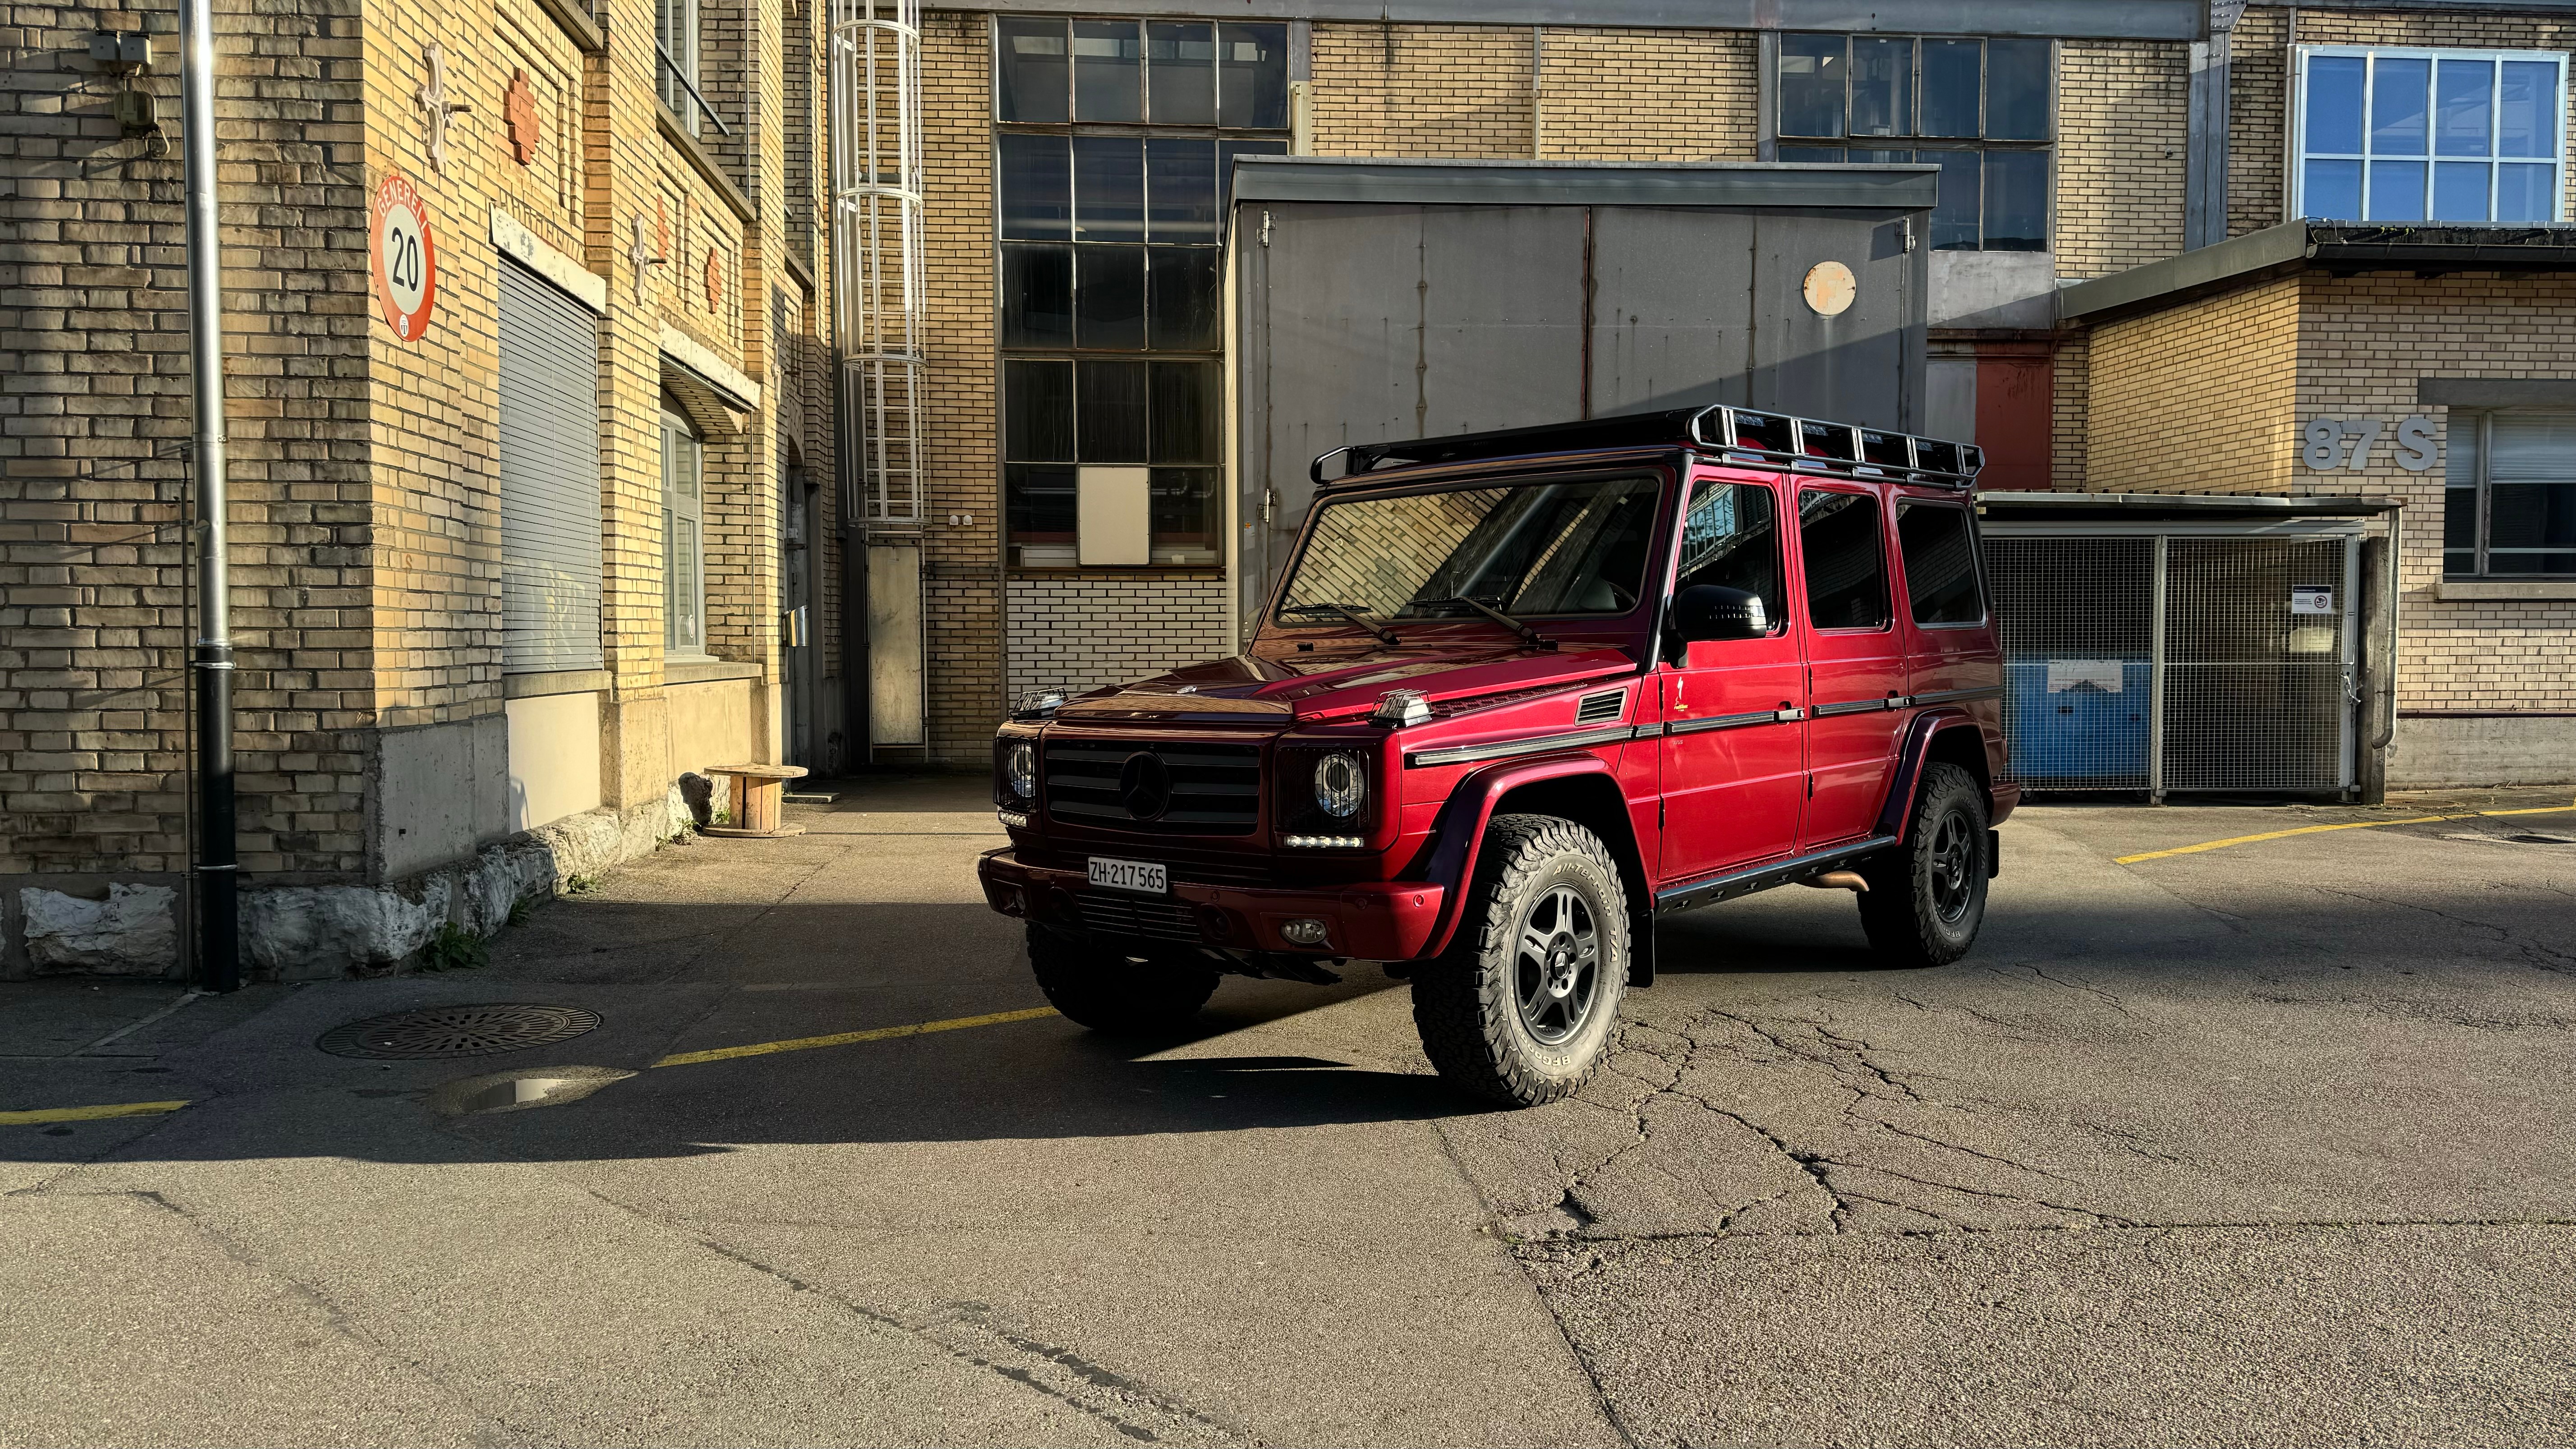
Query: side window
{"points": [[1732, 538], [1839, 539], [1940, 564]]}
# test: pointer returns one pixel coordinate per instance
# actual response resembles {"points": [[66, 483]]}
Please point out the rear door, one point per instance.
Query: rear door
{"points": [[1855, 656], [1734, 766], [1949, 649]]}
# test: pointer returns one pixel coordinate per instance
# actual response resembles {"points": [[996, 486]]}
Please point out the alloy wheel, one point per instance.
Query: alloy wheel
{"points": [[1556, 966], [1954, 859]]}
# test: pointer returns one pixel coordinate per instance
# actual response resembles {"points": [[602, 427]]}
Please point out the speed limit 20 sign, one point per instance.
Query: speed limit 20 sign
{"points": [[406, 260]]}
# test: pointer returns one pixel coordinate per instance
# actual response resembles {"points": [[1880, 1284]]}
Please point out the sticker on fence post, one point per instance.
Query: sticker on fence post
{"points": [[404, 258], [2311, 601]]}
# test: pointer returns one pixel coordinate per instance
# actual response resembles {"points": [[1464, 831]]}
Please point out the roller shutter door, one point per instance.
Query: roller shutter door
{"points": [[549, 477]]}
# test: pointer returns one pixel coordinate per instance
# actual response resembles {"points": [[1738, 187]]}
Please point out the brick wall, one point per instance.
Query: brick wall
{"points": [[2196, 398], [1682, 95], [2071, 381], [2123, 121], [94, 408], [1422, 90], [962, 608], [1078, 631]]}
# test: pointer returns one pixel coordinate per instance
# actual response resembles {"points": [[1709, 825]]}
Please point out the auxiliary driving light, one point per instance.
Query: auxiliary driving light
{"points": [[1304, 931]]}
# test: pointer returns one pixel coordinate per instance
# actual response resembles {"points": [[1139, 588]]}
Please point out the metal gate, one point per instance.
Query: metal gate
{"points": [[2184, 658]]}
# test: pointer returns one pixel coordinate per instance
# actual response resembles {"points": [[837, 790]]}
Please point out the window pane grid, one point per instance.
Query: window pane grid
{"points": [[1116, 157], [2464, 137], [1977, 108], [2510, 500]]}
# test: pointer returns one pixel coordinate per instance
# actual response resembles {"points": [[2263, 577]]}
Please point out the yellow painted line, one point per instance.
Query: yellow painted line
{"points": [[852, 1038], [2319, 829], [87, 1114]]}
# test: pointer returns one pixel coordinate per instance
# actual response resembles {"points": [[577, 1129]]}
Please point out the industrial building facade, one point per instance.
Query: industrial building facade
{"points": [[1070, 209], [2181, 247]]}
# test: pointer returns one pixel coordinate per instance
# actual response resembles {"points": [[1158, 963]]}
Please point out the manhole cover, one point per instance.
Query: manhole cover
{"points": [[458, 1031]]}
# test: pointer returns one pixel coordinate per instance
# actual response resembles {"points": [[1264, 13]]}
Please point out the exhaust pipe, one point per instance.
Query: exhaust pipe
{"points": [[1837, 880]]}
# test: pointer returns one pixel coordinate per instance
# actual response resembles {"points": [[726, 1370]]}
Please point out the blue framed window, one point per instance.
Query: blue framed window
{"points": [[2436, 136]]}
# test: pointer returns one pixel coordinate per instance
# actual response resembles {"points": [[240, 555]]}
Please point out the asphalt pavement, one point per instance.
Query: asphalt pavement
{"points": [[2264, 1142]]}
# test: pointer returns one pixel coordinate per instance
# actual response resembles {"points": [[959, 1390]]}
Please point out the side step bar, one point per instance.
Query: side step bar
{"points": [[1697, 893]]}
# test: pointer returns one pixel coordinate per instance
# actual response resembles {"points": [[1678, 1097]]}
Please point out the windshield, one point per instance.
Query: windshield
{"points": [[1528, 549]]}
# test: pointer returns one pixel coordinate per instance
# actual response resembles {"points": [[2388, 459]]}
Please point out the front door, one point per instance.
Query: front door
{"points": [[1734, 765], [1856, 662]]}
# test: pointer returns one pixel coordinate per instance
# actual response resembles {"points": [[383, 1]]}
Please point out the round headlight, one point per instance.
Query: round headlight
{"points": [[1341, 785], [1022, 770]]}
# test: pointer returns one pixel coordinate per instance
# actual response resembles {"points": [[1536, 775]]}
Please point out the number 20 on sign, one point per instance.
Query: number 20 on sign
{"points": [[405, 259]]}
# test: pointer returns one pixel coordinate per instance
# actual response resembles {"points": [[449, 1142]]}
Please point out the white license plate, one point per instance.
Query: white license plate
{"points": [[1140, 876]]}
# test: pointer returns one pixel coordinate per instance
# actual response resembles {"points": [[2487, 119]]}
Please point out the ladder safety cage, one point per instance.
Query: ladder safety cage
{"points": [[878, 283], [1735, 435]]}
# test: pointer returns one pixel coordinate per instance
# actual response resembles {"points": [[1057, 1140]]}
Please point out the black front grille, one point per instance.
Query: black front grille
{"points": [[1139, 919], [1215, 789]]}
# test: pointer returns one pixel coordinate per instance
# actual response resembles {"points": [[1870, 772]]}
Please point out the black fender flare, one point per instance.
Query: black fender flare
{"points": [[1912, 754], [1458, 838]]}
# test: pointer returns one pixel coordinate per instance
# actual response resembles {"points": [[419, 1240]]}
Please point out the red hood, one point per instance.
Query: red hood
{"points": [[1265, 689]]}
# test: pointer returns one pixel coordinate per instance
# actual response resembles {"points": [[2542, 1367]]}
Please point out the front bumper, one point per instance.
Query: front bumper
{"points": [[1369, 921]]}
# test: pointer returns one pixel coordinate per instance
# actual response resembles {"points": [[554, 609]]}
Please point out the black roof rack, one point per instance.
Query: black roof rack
{"points": [[1738, 435]]}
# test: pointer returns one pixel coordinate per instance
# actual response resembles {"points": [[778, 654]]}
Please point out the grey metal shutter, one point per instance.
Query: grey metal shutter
{"points": [[549, 477]]}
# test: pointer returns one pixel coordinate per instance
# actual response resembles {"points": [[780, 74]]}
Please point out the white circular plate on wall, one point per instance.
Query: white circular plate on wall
{"points": [[1830, 288]]}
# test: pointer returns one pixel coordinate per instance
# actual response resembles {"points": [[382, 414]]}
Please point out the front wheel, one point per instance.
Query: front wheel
{"points": [[1520, 1007], [1112, 992], [1927, 894]]}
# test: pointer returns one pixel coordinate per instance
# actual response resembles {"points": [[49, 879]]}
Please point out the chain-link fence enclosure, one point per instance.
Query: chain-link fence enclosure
{"points": [[2188, 662]]}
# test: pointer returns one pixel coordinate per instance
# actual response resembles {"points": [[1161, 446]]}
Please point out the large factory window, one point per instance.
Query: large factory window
{"points": [[1114, 165], [1978, 109]]}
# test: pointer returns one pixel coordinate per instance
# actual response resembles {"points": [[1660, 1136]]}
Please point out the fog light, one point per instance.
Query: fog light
{"points": [[1305, 931]]}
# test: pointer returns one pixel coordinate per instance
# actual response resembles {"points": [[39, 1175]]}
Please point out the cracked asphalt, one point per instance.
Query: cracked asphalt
{"points": [[2269, 1144]]}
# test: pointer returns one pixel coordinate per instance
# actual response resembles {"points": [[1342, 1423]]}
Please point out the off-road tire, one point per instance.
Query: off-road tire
{"points": [[1111, 992], [1917, 910], [1467, 1004]]}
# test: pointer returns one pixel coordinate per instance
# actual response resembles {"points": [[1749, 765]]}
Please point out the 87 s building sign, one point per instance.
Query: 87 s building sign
{"points": [[2346, 444]]}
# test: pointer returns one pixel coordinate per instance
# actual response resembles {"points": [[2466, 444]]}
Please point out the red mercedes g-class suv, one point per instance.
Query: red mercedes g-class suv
{"points": [[1519, 694]]}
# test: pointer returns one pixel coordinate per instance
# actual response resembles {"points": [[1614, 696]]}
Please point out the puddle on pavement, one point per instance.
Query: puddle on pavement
{"points": [[519, 1090]]}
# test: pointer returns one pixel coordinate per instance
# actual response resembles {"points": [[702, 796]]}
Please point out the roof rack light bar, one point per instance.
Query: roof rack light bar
{"points": [[1739, 435], [1808, 445]]}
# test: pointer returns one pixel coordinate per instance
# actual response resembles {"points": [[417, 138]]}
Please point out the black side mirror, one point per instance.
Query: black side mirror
{"points": [[1713, 611]]}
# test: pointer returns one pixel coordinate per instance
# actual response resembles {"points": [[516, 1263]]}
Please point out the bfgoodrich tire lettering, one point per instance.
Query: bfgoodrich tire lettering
{"points": [[1110, 992], [1520, 1008], [1927, 895]]}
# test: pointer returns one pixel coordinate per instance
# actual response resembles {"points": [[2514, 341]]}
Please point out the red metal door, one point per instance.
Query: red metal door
{"points": [[1855, 659], [1734, 762]]}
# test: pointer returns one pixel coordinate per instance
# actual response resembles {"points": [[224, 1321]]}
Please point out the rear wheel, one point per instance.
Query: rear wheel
{"points": [[1927, 895], [1520, 1008], [1109, 991]]}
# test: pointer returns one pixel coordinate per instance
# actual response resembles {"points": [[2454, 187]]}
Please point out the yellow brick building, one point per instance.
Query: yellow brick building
{"points": [[502, 589]]}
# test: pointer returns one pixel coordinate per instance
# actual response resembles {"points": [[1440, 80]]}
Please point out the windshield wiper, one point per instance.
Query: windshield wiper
{"points": [[1529, 636], [1384, 635]]}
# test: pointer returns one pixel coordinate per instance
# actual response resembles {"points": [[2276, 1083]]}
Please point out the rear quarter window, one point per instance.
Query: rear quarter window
{"points": [[1941, 581]]}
